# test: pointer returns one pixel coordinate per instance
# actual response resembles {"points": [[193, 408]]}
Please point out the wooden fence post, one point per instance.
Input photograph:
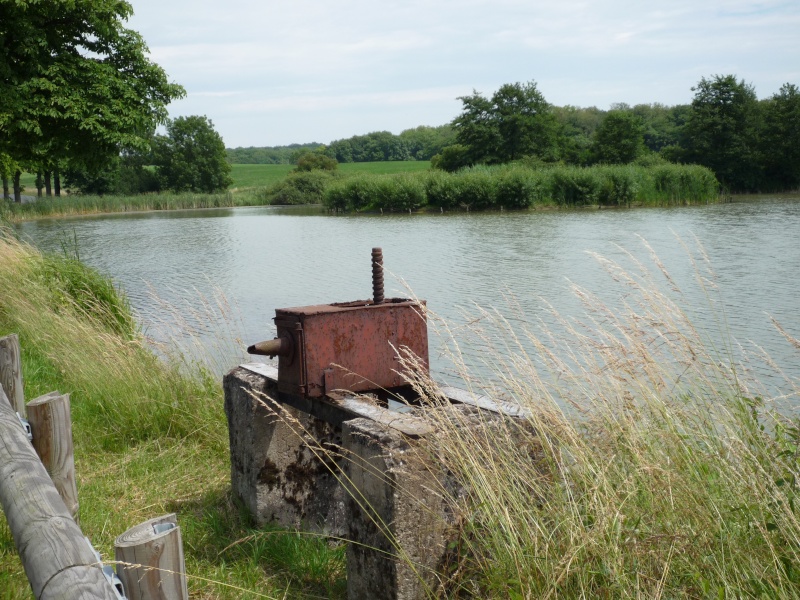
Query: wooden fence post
{"points": [[56, 557], [51, 426], [150, 560], [11, 372]]}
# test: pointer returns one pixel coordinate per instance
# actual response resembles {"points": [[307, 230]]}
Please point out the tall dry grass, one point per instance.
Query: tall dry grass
{"points": [[649, 465]]}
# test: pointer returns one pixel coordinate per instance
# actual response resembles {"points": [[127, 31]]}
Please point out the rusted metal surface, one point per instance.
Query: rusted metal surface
{"points": [[351, 346], [377, 275]]}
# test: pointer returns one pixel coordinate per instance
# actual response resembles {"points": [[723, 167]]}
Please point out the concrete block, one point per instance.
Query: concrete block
{"points": [[284, 463], [397, 514]]}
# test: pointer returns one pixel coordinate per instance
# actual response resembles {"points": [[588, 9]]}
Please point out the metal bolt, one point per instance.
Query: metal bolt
{"points": [[377, 275]]}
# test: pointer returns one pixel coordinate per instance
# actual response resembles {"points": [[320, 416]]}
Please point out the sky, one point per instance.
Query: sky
{"points": [[271, 73]]}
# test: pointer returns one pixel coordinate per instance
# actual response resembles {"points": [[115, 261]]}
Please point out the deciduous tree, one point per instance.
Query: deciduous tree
{"points": [[721, 131], [191, 157], [619, 139], [75, 83], [517, 121], [781, 139]]}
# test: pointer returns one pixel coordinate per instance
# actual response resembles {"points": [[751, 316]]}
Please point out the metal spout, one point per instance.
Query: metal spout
{"points": [[281, 346]]}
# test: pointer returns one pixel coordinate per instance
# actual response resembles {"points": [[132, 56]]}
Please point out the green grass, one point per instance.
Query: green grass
{"points": [[246, 176], [141, 426], [651, 465]]}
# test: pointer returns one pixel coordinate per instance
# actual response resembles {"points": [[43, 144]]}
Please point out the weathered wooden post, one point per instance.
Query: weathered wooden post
{"points": [[150, 560], [11, 372], [56, 557], [51, 426]]}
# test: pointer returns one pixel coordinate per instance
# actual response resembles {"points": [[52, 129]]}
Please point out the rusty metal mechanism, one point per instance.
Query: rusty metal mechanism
{"points": [[348, 346]]}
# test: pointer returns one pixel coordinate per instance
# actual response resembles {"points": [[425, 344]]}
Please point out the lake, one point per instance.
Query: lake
{"points": [[217, 275]]}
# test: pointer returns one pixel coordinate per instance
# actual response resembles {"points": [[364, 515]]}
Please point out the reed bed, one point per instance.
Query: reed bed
{"points": [[79, 205], [521, 187]]}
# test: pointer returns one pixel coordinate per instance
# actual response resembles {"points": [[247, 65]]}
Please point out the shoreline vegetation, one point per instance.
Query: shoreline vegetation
{"points": [[653, 465], [412, 186], [142, 423]]}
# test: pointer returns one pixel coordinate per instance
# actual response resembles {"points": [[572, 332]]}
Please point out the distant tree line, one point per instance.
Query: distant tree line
{"points": [[749, 144], [269, 155], [420, 143]]}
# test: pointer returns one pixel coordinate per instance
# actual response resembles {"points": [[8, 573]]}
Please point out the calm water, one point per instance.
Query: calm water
{"points": [[266, 258]]}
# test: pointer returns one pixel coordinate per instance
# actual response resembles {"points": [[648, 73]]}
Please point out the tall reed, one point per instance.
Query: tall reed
{"points": [[519, 186]]}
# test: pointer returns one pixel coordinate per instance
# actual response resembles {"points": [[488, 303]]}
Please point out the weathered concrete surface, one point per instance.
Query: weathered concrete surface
{"points": [[392, 496], [397, 514], [283, 462]]}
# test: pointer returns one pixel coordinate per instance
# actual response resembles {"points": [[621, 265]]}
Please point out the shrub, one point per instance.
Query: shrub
{"points": [[398, 192], [306, 187], [476, 188], [518, 188], [315, 161]]}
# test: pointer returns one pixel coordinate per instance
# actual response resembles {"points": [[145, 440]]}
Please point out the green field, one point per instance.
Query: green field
{"points": [[245, 176], [265, 175]]}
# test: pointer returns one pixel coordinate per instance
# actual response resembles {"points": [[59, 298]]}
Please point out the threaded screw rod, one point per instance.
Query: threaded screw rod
{"points": [[377, 275]]}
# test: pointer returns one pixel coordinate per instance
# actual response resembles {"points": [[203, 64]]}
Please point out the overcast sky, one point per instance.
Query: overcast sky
{"points": [[272, 73]]}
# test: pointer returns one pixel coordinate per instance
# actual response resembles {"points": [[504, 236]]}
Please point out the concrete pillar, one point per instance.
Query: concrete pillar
{"points": [[397, 515], [284, 463]]}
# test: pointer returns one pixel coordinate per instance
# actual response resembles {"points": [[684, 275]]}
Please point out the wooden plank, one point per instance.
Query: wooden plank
{"points": [[464, 397], [150, 560], [11, 372], [407, 424], [51, 425], [337, 408], [268, 371], [52, 548]]}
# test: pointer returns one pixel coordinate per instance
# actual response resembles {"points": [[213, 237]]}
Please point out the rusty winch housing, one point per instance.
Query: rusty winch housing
{"points": [[350, 346]]}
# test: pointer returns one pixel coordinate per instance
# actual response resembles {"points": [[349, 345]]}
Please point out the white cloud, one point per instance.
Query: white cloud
{"points": [[359, 59]]}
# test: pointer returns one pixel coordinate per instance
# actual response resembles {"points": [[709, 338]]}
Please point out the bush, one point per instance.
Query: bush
{"points": [[355, 193], [477, 188], [315, 161], [398, 192], [306, 187], [518, 188], [452, 158]]}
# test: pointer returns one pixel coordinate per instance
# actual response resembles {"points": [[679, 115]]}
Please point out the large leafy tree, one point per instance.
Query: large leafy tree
{"points": [[781, 138], [517, 121], [721, 131], [75, 83], [619, 139], [191, 157]]}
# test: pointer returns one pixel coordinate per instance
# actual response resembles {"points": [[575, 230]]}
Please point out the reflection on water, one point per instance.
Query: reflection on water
{"points": [[267, 258]]}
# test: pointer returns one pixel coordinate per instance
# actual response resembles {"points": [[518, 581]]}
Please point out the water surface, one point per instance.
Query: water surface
{"points": [[266, 258]]}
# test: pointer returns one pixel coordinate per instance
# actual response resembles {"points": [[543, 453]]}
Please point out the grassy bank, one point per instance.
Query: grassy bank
{"points": [[141, 428], [253, 185]]}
